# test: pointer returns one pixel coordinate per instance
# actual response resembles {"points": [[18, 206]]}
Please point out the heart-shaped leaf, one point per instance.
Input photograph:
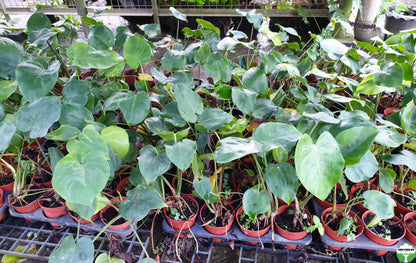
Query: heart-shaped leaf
{"points": [[379, 203], [135, 107], [274, 135], [232, 148], [282, 181], [68, 251], [181, 153], [386, 178], [136, 51], [38, 21], [389, 137], [244, 99], [118, 139], [38, 116], [213, 119], [255, 80], [76, 91], [218, 68], [405, 157], [140, 200], [256, 202], [203, 189], [101, 37], [319, 166], [363, 170], [35, 79], [85, 56], [189, 103], [11, 54], [7, 88], [408, 118], [6, 134], [75, 115], [152, 163], [63, 133]]}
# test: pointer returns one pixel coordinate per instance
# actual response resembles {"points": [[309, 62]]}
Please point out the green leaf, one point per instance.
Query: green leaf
{"points": [[280, 155], [140, 200], [118, 139], [11, 54], [6, 134], [380, 204], [181, 153], [334, 48], [189, 103], [85, 56], [405, 157], [203, 188], [136, 51], [386, 177], [63, 133], [218, 68], [201, 55], [178, 14], [252, 17], [282, 181], [368, 86], [208, 25], [364, 170], [152, 163], [148, 260], [38, 21], [7, 88], [256, 202], [274, 135], [151, 30], [408, 118], [244, 99], [55, 156], [75, 115], [263, 108], [390, 75], [35, 79], [255, 80], [88, 141], [38, 116], [106, 258], [135, 107], [232, 148], [68, 251], [171, 114], [39, 38], [76, 91], [172, 61], [101, 37], [389, 137], [319, 166], [213, 119], [355, 142], [121, 35]]}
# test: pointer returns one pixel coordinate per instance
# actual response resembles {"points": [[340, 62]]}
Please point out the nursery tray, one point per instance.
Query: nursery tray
{"points": [[67, 220], [235, 234], [362, 242]]}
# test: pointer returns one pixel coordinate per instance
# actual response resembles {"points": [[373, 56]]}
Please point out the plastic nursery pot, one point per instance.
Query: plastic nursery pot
{"points": [[325, 204], [23, 209], [217, 230], [399, 208], [376, 238], [182, 224], [52, 211], [410, 225], [334, 235], [122, 184], [114, 226], [387, 102], [289, 234], [248, 232], [390, 111], [83, 221]]}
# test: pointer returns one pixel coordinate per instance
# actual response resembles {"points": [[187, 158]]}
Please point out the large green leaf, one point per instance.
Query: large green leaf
{"points": [[203, 189], [256, 202], [213, 119], [135, 107], [379, 203], [244, 99], [76, 91], [172, 61], [118, 139], [140, 200], [38, 21], [85, 56], [390, 75], [319, 166], [201, 55], [408, 118], [136, 51], [363, 170], [263, 108], [101, 37], [7, 88], [355, 142], [75, 115], [405, 157], [368, 86], [6, 134], [389, 137], [181, 153], [218, 68], [39, 38], [281, 179], [36, 79], [386, 179], [255, 80], [232, 148], [152, 163], [11, 54], [334, 48], [274, 135], [69, 252], [39, 116], [189, 103], [88, 141], [171, 114]]}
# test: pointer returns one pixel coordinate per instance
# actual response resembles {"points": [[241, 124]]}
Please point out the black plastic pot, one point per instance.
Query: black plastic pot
{"points": [[396, 22]]}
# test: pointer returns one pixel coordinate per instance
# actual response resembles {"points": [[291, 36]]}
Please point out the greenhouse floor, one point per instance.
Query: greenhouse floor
{"points": [[36, 241]]}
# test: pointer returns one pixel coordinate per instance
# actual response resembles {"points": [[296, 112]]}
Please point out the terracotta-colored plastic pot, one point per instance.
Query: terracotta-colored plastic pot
{"points": [[114, 226], [221, 230], [25, 208], [288, 234], [334, 235], [182, 224], [377, 239], [409, 234], [381, 107], [122, 184], [399, 208], [390, 111], [247, 232], [84, 221], [325, 204], [53, 212]]}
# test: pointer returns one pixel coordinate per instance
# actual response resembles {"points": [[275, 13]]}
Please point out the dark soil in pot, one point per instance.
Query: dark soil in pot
{"points": [[30, 154], [6, 179], [389, 228], [111, 213], [341, 197], [51, 201], [226, 217], [286, 220], [43, 178], [408, 200], [184, 210], [27, 199], [259, 224]]}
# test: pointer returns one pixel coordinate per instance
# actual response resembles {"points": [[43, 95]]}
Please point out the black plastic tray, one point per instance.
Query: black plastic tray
{"points": [[362, 242], [67, 220], [236, 234]]}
